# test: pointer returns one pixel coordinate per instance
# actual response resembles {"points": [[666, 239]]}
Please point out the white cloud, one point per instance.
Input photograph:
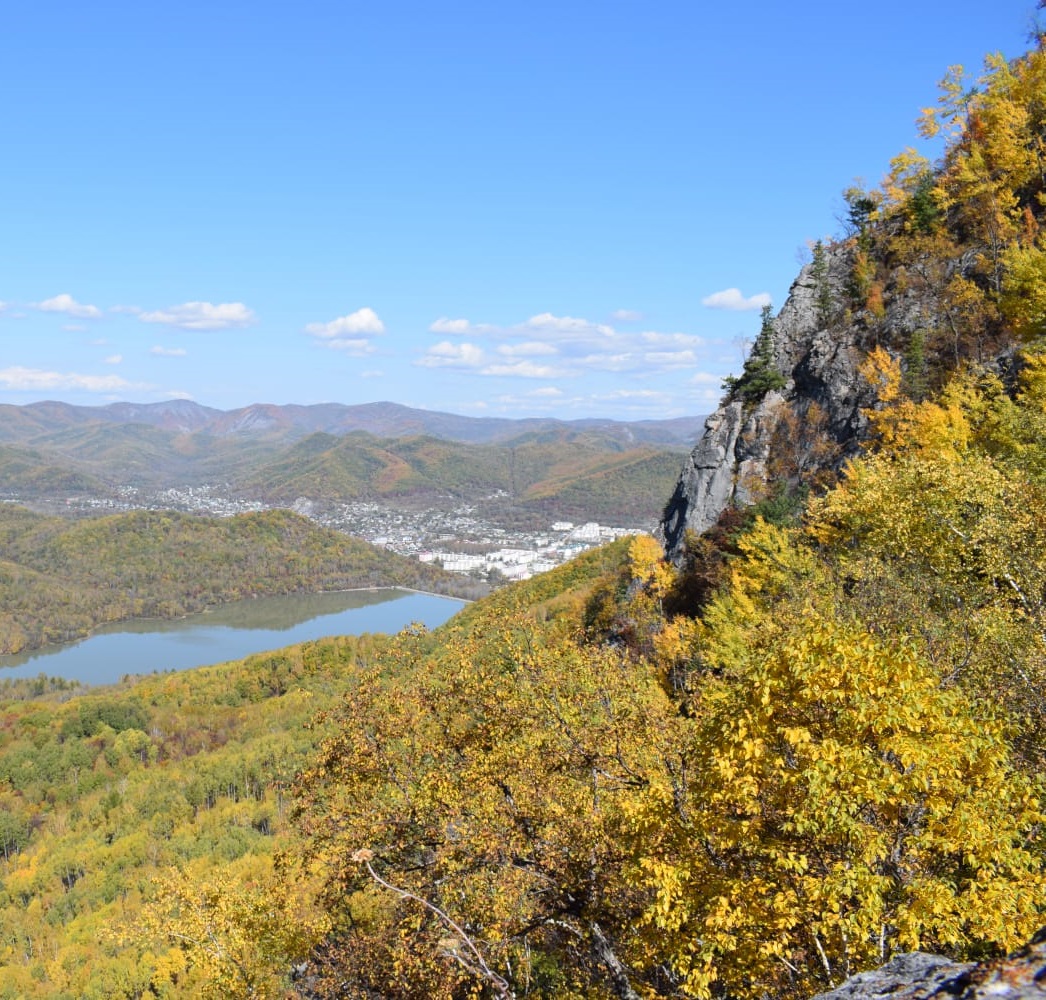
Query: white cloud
{"points": [[33, 379], [168, 352], [646, 395], [568, 324], [451, 326], [683, 341], [522, 369], [466, 357], [528, 349], [372, 373], [114, 359], [626, 316], [549, 346], [358, 347], [671, 359], [448, 355], [65, 303], [547, 399], [363, 322], [731, 298], [202, 316], [705, 378], [609, 362]]}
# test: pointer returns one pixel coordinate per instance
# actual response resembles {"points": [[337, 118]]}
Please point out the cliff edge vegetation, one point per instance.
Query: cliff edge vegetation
{"points": [[942, 266], [810, 749]]}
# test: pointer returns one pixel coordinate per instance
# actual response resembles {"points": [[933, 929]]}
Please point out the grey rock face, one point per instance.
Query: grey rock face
{"points": [[819, 361], [706, 484], [908, 976], [918, 976]]}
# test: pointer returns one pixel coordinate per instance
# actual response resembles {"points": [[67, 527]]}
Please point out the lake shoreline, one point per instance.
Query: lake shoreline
{"points": [[231, 631], [98, 626]]}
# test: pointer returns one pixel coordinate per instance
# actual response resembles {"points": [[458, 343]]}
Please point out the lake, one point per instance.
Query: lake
{"points": [[231, 632]]}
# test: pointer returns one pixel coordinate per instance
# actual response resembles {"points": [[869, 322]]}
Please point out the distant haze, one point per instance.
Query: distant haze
{"points": [[22, 423]]}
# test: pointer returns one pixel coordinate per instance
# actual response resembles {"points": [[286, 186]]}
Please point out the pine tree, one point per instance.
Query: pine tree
{"points": [[822, 289], [760, 374]]}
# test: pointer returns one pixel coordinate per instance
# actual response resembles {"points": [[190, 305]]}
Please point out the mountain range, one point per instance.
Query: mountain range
{"points": [[389, 420], [611, 471]]}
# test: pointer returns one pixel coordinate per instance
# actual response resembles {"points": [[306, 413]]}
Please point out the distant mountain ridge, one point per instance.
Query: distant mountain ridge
{"points": [[519, 471], [20, 423]]}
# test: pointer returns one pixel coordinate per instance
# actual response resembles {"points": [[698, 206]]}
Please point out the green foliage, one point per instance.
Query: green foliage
{"points": [[781, 506], [761, 373], [94, 714], [861, 208], [821, 284], [924, 211]]}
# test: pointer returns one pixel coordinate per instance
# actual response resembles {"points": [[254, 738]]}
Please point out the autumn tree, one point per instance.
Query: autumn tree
{"points": [[235, 933], [822, 287], [842, 806], [484, 789]]}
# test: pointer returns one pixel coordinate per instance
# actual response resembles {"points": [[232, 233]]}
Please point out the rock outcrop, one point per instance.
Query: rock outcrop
{"points": [[919, 976], [818, 348]]}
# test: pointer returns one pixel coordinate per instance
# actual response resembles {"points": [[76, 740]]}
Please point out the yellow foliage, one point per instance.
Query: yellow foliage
{"points": [[1024, 289], [838, 811], [901, 424], [905, 171], [489, 781], [236, 933]]}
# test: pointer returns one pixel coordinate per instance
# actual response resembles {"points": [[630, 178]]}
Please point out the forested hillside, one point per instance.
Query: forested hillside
{"points": [[170, 800], [60, 578], [814, 739], [114, 803], [534, 471], [813, 746], [551, 476]]}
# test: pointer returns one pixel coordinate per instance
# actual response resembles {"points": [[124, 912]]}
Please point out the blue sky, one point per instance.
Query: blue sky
{"points": [[541, 208]]}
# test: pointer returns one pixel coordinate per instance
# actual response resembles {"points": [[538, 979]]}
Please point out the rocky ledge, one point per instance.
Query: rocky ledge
{"points": [[919, 976], [816, 417]]}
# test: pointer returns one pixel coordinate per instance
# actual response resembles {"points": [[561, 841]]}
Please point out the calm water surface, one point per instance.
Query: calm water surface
{"points": [[227, 633]]}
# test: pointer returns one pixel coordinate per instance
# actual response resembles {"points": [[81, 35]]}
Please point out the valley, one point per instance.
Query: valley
{"points": [[497, 500], [469, 538]]}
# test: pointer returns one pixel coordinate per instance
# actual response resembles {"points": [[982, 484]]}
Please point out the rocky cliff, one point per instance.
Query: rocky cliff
{"points": [[813, 418]]}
